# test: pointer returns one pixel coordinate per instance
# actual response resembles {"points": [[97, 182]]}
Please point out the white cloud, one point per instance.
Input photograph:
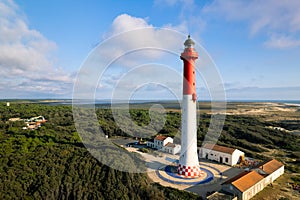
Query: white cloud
{"points": [[124, 52], [268, 17], [268, 14], [130, 43], [134, 42], [152, 39], [25, 54], [152, 36], [282, 42], [125, 22], [279, 21]]}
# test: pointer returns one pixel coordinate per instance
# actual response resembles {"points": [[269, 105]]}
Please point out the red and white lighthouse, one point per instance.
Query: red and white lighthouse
{"points": [[188, 162]]}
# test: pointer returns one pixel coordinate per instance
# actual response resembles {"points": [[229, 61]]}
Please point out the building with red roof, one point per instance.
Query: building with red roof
{"points": [[222, 154], [245, 185], [164, 144]]}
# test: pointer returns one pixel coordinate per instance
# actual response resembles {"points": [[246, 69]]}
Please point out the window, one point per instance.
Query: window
{"points": [[250, 194], [226, 160]]}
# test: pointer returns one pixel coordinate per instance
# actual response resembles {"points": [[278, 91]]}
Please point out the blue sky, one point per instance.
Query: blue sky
{"points": [[254, 44]]}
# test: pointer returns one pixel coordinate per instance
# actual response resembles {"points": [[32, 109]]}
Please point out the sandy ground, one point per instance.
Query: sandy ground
{"points": [[275, 112], [259, 108]]}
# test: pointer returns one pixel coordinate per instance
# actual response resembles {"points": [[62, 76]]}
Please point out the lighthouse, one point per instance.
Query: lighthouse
{"points": [[188, 165]]}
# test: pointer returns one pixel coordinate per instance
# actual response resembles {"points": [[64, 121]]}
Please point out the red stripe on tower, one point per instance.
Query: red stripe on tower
{"points": [[189, 56]]}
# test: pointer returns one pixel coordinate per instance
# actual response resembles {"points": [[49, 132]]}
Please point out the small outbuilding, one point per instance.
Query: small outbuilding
{"points": [[172, 148], [159, 141], [221, 154], [164, 144]]}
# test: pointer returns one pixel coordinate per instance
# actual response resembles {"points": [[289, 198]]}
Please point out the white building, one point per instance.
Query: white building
{"points": [[247, 184], [271, 170], [172, 148], [226, 155], [165, 144]]}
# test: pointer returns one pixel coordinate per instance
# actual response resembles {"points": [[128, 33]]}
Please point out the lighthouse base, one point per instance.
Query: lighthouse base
{"points": [[189, 171]]}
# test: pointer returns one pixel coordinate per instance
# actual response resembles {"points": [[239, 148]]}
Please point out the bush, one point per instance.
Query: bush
{"points": [[144, 150]]}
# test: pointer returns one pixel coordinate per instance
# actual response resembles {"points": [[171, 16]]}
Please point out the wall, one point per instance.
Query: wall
{"points": [[248, 194], [215, 155], [236, 156], [177, 149], [172, 150], [232, 159], [272, 177], [167, 140]]}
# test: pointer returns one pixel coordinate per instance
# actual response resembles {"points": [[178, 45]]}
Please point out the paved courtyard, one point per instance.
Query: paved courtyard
{"points": [[157, 162]]}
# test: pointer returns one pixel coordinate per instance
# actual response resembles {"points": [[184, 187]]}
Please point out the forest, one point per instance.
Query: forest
{"points": [[52, 162]]}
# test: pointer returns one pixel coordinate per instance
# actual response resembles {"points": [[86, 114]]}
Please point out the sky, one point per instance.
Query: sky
{"points": [[255, 46]]}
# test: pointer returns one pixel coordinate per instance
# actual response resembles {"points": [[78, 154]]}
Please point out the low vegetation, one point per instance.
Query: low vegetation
{"points": [[52, 162]]}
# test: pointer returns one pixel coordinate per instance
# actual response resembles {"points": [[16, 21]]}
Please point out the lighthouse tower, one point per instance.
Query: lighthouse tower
{"points": [[188, 163]]}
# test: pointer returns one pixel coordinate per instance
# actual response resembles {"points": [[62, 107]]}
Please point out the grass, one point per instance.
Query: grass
{"points": [[280, 189]]}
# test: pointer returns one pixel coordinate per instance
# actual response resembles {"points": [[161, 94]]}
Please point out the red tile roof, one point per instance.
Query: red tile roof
{"points": [[245, 180], [270, 166], [160, 137], [222, 149], [169, 144]]}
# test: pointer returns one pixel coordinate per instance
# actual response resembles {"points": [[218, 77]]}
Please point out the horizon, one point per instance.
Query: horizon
{"points": [[154, 100]]}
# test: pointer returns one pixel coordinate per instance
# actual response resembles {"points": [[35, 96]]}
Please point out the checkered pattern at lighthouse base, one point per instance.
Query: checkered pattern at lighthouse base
{"points": [[189, 171]]}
